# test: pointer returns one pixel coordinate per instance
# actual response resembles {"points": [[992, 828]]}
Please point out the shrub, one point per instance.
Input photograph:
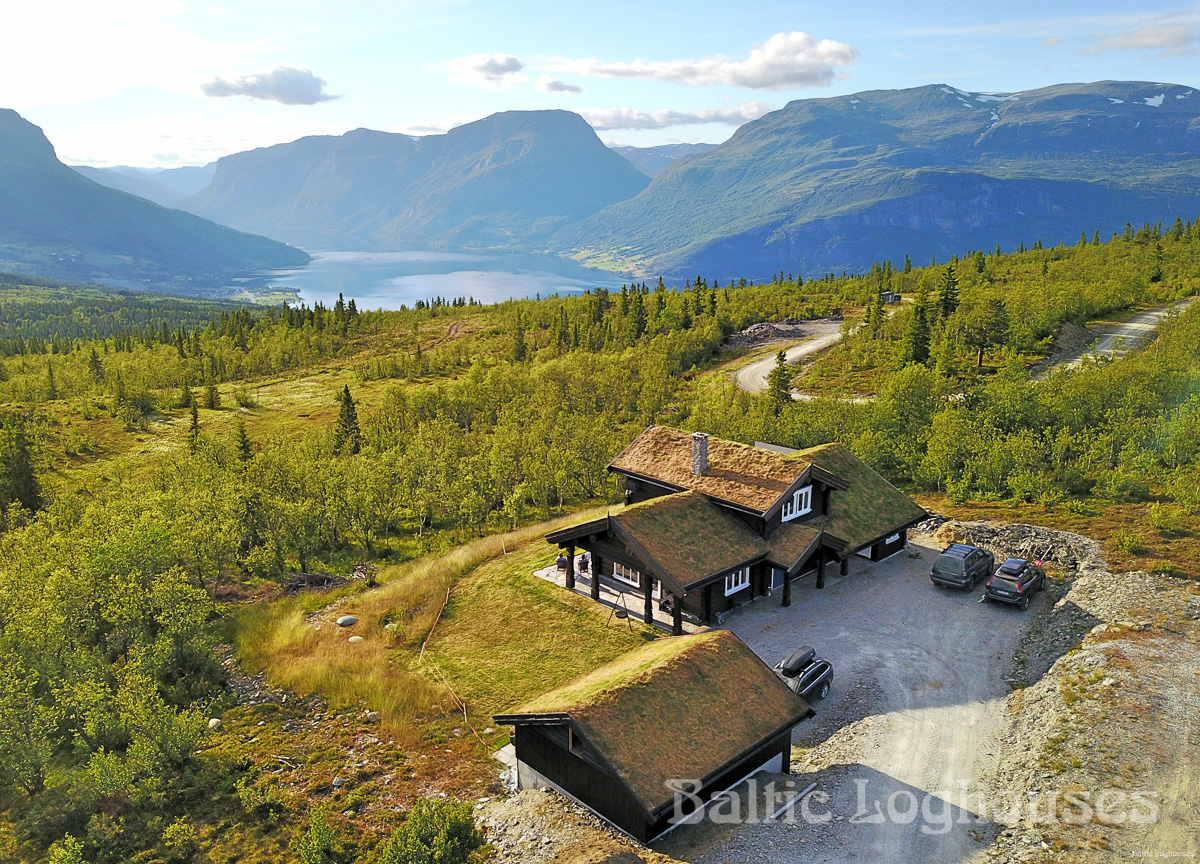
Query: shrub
{"points": [[320, 843], [1166, 519], [181, 839], [1162, 568], [263, 799], [1130, 542], [1121, 487], [436, 832], [244, 397]]}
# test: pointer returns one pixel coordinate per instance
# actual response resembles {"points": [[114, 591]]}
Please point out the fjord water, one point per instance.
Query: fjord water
{"points": [[389, 280]]}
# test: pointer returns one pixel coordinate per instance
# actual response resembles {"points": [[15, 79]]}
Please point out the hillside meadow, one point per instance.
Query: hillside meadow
{"points": [[166, 466]]}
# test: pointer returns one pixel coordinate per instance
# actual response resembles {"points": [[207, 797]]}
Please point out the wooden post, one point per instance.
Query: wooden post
{"points": [[845, 567], [677, 621], [787, 589], [706, 604], [571, 567], [597, 563], [648, 598], [821, 569]]}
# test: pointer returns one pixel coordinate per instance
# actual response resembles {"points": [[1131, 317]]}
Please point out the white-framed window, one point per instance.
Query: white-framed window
{"points": [[737, 580], [895, 538], [656, 589], [627, 575], [799, 504]]}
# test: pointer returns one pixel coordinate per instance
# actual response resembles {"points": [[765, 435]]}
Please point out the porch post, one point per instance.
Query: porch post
{"points": [[597, 566], [787, 589], [706, 604], [571, 567], [845, 567], [677, 622], [821, 569], [648, 598]]}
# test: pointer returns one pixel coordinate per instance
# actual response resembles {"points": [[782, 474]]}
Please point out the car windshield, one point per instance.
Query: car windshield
{"points": [[948, 565]]}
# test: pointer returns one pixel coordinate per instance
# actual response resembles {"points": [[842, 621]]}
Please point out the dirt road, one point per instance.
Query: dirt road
{"points": [[753, 377], [917, 704], [1113, 340]]}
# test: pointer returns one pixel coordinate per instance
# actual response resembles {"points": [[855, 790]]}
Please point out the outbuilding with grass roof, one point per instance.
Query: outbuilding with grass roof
{"points": [[646, 739]]}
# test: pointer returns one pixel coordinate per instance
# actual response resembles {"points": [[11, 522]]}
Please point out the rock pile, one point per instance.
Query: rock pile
{"points": [[1004, 540], [766, 331]]}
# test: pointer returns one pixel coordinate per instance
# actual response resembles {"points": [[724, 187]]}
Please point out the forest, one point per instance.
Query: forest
{"points": [[164, 461]]}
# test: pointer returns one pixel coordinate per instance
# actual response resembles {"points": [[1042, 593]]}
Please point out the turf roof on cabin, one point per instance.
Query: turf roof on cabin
{"points": [[791, 542], [678, 707], [689, 536], [870, 509], [736, 472]]}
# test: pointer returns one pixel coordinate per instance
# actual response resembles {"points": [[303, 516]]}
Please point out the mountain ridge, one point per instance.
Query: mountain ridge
{"points": [[56, 222]]}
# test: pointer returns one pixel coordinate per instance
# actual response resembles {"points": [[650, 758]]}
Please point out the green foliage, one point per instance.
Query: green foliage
{"points": [[347, 437], [779, 383], [1130, 541], [18, 476], [260, 798], [181, 840], [320, 842], [435, 832], [66, 851]]}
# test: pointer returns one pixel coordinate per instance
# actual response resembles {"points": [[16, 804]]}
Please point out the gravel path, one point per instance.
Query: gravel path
{"points": [[918, 696], [753, 376], [1116, 340]]}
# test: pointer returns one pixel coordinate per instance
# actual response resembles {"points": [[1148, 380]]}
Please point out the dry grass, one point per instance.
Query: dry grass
{"points": [[309, 654]]}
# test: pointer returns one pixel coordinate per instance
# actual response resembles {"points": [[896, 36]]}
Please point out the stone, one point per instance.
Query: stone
{"points": [[354, 640], [338, 782], [373, 717], [214, 724], [347, 621]]}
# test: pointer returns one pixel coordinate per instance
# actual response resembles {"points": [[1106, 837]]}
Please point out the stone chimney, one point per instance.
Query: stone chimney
{"points": [[699, 452]]}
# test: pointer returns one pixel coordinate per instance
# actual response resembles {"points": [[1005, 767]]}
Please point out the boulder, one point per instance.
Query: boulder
{"points": [[214, 724], [347, 621], [354, 640]]}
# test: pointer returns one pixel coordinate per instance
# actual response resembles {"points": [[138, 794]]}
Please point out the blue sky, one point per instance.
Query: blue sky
{"points": [[178, 82]]}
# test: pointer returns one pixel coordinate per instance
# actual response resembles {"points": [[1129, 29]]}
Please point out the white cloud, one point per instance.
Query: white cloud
{"points": [[786, 60], [629, 118], [287, 85], [550, 84], [1051, 41], [487, 70], [1167, 39]]}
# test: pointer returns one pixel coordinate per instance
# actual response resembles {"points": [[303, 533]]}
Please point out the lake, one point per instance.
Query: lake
{"points": [[388, 280]]}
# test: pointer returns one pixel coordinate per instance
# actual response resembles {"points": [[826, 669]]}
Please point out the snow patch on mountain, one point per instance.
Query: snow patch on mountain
{"points": [[993, 97], [1156, 101]]}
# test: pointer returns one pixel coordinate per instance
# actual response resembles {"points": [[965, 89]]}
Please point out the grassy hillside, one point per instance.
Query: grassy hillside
{"points": [[138, 536]]}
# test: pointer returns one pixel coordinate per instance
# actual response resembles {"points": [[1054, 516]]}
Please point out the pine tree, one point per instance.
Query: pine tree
{"points": [[18, 476], [875, 316], [916, 335], [51, 387], [346, 435], [186, 397], [948, 292], [95, 366], [637, 316], [1096, 238], [212, 396], [779, 381], [245, 450], [518, 351]]}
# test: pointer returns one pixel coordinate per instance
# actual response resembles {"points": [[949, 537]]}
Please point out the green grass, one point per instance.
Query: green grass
{"points": [[508, 636]]}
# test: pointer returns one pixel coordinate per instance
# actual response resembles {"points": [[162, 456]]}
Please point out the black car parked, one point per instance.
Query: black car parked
{"points": [[961, 566], [1015, 581], [806, 673]]}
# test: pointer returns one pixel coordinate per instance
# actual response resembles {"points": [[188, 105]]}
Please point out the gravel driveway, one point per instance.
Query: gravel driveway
{"points": [[917, 700]]}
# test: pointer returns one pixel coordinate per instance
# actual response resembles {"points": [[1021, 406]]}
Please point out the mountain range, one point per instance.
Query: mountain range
{"points": [[55, 222], [821, 185], [508, 181], [834, 184]]}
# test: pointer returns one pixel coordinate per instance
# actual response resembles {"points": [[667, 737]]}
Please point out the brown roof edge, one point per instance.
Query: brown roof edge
{"points": [[712, 578], [804, 556], [903, 526], [731, 505], [574, 532], [628, 446], [529, 719]]}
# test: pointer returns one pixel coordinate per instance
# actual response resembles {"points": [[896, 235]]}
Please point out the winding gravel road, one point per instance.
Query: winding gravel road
{"points": [[753, 376], [1118, 339]]}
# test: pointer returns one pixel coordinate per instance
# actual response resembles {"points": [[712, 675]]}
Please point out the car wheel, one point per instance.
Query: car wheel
{"points": [[824, 690], [1024, 602]]}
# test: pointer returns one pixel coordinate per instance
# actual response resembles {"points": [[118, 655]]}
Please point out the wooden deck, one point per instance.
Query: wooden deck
{"points": [[612, 597]]}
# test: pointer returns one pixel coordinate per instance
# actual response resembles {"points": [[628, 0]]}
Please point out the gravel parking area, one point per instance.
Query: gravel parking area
{"points": [[921, 674]]}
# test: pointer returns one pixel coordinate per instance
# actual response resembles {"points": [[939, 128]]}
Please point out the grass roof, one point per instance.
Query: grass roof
{"points": [[791, 541], [677, 708], [690, 537], [737, 473], [871, 508]]}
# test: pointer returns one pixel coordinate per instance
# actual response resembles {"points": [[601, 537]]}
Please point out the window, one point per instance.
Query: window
{"points": [[895, 538], [627, 575], [799, 504], [737, 580]]}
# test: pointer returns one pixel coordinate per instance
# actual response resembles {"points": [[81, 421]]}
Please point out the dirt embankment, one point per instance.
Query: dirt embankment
{"points": [[1102, 748]]}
